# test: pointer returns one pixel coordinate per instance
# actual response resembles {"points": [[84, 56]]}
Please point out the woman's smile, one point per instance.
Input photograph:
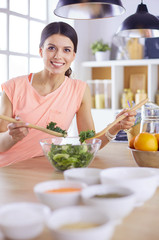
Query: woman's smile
{"points": [[57, 64]]}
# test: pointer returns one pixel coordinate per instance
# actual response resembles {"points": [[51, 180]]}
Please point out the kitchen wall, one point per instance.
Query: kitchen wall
{"points": [[92, 30]]}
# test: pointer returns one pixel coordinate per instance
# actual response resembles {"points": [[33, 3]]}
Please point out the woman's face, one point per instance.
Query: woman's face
{"points": [[57, 53]]}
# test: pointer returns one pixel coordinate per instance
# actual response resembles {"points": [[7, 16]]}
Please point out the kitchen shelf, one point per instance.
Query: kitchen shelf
{"points": [[119, 72]]}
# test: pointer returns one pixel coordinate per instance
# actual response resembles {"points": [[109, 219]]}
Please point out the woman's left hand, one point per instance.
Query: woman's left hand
{"points": [[128, 121]]}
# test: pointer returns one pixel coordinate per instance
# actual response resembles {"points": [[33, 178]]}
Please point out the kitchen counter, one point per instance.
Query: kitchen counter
{"points": [[17, 182]]}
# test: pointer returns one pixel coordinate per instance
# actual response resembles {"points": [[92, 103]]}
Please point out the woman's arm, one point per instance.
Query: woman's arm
{"points": [[10, 133], [85, 120], [84, 116]]}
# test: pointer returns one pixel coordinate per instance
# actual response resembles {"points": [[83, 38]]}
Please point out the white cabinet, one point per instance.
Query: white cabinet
{"points": [[119, 73]]}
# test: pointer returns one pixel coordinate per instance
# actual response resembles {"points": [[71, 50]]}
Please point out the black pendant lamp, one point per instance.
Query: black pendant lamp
{"points": [[88, 9], [142, 24]]}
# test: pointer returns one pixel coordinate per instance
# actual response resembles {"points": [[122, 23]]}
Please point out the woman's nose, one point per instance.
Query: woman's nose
{"points": [[57, 54]]}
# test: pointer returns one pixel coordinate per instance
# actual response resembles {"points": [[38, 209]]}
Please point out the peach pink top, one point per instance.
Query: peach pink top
{"points": [[59, 106]]}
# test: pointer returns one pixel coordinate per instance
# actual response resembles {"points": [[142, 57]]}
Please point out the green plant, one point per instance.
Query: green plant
{"points": [[99, 46]]}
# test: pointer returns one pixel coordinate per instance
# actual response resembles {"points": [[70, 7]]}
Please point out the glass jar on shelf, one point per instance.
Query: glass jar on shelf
{"points": [[99, 94], [150, 118], [127, 98], [140, 95], [91, 84]]}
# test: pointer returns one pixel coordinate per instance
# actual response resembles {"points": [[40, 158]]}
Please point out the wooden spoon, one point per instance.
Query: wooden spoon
{"points": [[12, 120], [42, 129], [119, 119]]}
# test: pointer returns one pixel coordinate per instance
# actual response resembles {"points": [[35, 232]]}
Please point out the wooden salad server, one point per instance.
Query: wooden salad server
{"points": [[42, 129], [137, 106]]}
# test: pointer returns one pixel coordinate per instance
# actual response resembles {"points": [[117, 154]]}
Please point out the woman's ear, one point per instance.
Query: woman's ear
{"points": [[41, 52], [74, 55]]}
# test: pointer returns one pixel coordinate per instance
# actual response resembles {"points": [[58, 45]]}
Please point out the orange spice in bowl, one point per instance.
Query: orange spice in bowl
{"points": [[63, 190]]}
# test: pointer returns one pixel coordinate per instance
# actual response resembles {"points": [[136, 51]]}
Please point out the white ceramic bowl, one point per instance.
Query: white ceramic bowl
{"points": [[23, 220], [80, 214], [89, 176], [143, 181], [115, 207], [62, 199]]}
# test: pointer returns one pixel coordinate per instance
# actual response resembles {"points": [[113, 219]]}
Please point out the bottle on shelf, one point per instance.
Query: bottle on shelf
{"points": [[127, 98], [99, 94], [140, 95]]}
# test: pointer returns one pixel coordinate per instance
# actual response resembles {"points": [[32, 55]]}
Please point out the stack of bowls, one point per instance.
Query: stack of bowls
{"points": [[104, 198], [69, 220]]}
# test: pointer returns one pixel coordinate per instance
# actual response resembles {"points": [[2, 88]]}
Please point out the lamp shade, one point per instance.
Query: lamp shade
{"points": [[141, 24], [88, 9]]}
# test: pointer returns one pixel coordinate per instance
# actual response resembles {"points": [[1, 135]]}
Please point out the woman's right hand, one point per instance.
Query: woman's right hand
{"points": [[18, 131], [10, 133]]}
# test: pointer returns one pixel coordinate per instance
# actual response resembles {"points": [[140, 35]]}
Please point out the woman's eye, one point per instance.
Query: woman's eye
{"points": [[51, 48], [67, 50]]}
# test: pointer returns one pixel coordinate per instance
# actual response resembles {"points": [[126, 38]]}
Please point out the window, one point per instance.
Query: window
{"points": [[19, 6], [23, 21], [3, 4], [38, 9], [18, 34]]}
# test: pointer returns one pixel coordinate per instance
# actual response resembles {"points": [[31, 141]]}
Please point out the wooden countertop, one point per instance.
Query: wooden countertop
{"points": [[17, 182]]}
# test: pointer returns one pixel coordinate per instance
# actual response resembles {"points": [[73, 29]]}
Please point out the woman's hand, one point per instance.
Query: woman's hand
{"points": [[128, 121], [18, 130]]}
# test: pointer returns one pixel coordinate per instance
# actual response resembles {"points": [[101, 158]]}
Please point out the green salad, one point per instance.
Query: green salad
{"points": [[52, 126], [68, 156], [86, 134], [83, 134]]}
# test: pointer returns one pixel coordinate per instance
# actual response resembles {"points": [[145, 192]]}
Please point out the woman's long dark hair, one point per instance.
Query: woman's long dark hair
{"points": [[63, 29]]}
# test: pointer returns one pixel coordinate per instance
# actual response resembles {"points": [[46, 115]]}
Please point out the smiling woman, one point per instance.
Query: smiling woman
{"points": [[50, 95]]}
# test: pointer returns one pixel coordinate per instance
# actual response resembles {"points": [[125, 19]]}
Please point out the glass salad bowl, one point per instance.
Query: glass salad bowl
{"points": [[65, 153]]}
